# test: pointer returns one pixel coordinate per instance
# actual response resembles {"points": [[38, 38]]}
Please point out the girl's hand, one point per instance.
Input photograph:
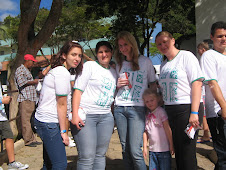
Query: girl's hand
{"points": [[65, 138], [145, 152], [172, 149], [194, 120], [122, 82], [77, 122]]}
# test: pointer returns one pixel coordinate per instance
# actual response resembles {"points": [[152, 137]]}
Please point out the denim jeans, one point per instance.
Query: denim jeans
{"points": [[92, 141], [130, 121], [218, 131], [54, 154], [159, 160]]}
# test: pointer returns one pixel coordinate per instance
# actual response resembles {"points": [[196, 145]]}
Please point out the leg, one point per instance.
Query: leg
{"points": [[104, 132], [153, 161], [136, 124], [218, 131], [54, 153], [164, 159], [86, 142], [121, 122], [206, 135], [9, 143], [185, 148], [26, 109]]}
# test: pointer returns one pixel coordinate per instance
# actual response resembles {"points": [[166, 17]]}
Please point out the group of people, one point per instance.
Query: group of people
{"points": [[141, 119]]}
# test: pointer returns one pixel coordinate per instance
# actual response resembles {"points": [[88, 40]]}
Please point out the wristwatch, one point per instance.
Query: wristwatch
{"points": [[63, 131]]}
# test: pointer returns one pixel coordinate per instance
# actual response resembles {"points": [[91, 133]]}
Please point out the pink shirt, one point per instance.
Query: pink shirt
{"points": [[158, 141]]}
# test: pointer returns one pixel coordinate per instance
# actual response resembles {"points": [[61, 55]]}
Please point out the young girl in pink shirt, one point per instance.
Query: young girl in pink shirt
{"points": [[158, 132]]}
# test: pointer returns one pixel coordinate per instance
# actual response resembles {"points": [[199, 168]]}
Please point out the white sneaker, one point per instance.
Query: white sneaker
{"points": [[17, 165], [71, 142]]}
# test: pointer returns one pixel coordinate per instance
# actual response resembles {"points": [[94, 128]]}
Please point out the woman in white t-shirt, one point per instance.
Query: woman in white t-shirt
{"points": [[135, 72], [91, 109], [181, 84], [50, 116]]}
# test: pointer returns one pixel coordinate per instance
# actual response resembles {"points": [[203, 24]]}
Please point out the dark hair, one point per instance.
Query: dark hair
{"points": [[58, 59], [130, 40], [217, 25], [103, 43]]}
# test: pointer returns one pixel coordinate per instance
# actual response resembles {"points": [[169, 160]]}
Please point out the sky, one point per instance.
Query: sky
{"points": [[12, 7]]}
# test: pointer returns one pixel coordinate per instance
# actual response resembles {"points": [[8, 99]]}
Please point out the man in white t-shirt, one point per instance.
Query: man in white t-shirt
{"points": [[213, 64]]}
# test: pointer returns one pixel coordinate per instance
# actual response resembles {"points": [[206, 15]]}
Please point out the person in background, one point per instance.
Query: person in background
{"points": [[50, 116], [92, 120], [203, 47], [158, 132], [134, 72], [7, 134], [27, 98], [213, 64], [112, 64], [181, 85]]}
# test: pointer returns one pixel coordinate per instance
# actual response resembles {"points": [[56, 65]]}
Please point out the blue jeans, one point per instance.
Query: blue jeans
{"points": [[130, 122], [159, 160], [92, 141], [54, 154]]}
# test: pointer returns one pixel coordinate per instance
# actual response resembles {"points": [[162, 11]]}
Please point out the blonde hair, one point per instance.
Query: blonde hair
{"points": [[204, 45], [164, 33], [130, 40], [150, 92]]}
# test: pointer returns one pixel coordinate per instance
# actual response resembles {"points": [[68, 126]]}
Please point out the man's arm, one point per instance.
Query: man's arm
{"points": [[217, 94]]}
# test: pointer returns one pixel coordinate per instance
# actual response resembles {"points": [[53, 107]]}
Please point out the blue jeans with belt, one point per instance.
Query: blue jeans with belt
{"points": [[54, 154], [92, 141], [130, 121]]}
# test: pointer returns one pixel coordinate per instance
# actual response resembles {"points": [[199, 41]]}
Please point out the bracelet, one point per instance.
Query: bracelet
{"points": [[196, 113], [63, 131]]}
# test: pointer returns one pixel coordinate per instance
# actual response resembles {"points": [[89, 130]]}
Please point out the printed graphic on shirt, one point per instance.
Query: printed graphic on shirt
{"points": [[135, 94], [105, 99], [172, 89]]}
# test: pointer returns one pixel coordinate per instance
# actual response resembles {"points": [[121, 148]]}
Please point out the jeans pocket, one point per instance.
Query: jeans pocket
{"points": [[53, 129]]}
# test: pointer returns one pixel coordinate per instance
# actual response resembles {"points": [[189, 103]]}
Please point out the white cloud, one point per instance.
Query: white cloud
{"points": [[3, 16], [7, 5]]}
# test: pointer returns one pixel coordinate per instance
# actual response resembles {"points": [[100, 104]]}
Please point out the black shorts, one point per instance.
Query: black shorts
{"points": [[5, 130]]}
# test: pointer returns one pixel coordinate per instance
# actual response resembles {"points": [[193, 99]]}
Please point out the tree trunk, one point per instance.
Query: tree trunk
{"points": [[29, 43]]}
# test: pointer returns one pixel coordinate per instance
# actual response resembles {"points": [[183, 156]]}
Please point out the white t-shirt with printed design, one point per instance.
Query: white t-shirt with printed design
{"points": [[176, 78], [98, 85], [213, 65], [139, 81], [56, 83]]}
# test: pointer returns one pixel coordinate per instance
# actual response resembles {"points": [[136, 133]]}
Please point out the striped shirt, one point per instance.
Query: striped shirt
{"points": [[22, 77]]}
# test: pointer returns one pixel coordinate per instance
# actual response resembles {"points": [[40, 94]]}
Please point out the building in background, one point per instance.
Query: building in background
{"points": [[207, 13]]}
